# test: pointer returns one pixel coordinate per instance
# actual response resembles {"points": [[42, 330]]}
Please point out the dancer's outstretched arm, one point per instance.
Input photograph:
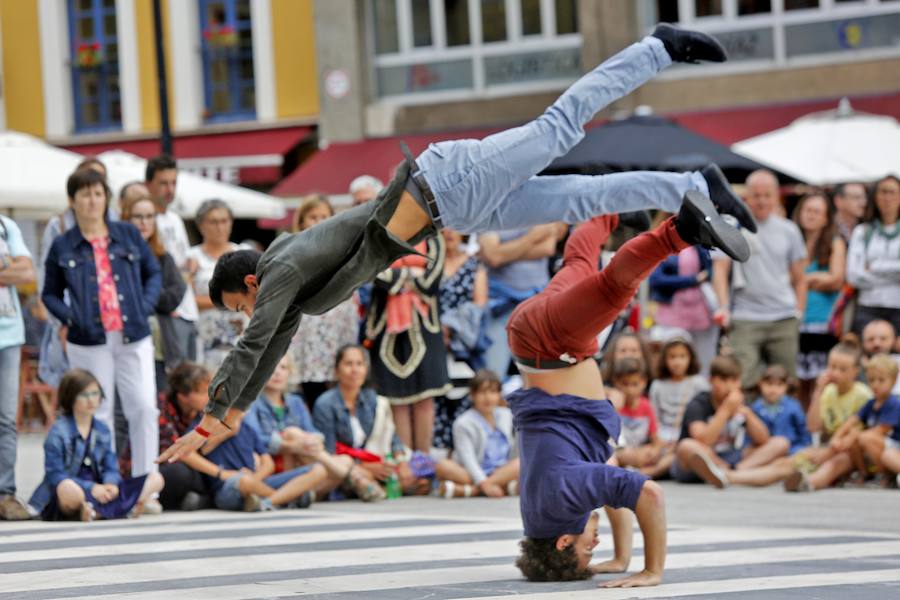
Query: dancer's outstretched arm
{"points": [[651, 516]]}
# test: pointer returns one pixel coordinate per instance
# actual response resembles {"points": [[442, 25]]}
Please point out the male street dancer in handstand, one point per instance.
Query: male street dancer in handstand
{"points": [[562, 417], [467, 185]]}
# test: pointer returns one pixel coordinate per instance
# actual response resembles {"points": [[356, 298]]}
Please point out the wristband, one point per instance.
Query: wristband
{"points": [[201, 431]]}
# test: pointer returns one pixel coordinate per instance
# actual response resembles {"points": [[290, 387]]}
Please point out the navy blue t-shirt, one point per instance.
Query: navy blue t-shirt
{"points": [[236, 452], [888, 414], [563, 449]]}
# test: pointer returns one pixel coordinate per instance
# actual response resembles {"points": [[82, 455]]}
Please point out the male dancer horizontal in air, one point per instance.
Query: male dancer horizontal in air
{"points": [[467, 185], [562, 417]]}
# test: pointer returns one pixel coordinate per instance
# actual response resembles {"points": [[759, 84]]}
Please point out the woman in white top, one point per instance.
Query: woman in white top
{"points": [[218, 330], [873, 261]]}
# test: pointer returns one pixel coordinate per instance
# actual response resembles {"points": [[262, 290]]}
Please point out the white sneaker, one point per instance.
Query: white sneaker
{"points": [[701, 464], [152, 507]]}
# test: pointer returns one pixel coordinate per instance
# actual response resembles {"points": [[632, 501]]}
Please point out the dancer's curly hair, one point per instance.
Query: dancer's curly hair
{"points": [[541, 561]]}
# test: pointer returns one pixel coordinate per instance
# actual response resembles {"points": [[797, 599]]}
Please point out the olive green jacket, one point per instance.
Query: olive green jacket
{"points": [[308, 273]]}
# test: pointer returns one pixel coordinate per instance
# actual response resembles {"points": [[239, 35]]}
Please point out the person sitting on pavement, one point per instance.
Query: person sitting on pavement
{"points": [[678, 381], [720, 434], [484, 458], [286, 428], [81, 473], [781, 413], [640, 445]]}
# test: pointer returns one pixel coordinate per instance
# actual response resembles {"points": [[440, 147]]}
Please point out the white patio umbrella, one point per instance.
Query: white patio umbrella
{"points": [[830, 147], [193, 189], [33, 177]]}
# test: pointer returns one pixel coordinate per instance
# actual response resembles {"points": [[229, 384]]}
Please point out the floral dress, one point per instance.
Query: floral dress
{"points": [[218, 330], [318, 339]]}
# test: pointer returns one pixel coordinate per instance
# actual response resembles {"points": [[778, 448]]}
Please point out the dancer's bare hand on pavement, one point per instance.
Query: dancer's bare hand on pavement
{"points": [[642, 579], [613, 565]]}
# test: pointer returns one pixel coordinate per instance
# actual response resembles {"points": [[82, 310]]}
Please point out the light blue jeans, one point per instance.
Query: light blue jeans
{"points": [[10, 358], [492, 184]]}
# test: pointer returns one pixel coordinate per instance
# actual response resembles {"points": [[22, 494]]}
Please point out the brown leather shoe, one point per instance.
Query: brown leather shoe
{"points": [[12, 509]]}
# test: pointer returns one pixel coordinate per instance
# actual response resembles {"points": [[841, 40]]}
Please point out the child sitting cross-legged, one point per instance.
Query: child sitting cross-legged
{"points": [[720, 435], [484, 456], [240, 474], [641, 447], [781, 413], [881, 418], [81, 472]]}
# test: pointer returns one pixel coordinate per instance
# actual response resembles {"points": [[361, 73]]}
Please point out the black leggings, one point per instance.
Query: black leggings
{"points": [[180, 479]]}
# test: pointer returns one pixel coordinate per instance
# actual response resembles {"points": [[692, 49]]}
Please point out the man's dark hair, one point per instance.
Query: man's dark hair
{"points": [[228, 276], [159, 163], [841, 188], [84, 179], [186, 377], [541, 561]]}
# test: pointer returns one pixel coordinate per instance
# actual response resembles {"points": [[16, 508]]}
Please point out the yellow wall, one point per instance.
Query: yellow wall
{"points": [[149, 83], [23, 90], [294, 44]]}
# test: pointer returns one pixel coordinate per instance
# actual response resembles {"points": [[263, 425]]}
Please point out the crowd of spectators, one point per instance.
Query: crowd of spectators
{"points": [[780, 369]]}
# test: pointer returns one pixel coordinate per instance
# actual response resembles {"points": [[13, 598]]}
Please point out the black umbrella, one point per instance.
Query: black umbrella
{"points": [[650, 143]]}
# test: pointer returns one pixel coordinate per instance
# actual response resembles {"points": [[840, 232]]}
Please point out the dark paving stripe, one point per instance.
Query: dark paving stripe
{"points": [[150, 522], [224, 533], [519, 586], [472, 589], [270, 576], [346, 544], [860, 591]]}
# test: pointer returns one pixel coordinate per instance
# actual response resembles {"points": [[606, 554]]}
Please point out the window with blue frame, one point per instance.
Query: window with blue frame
{"points": [[95, 65], [227, 44]]}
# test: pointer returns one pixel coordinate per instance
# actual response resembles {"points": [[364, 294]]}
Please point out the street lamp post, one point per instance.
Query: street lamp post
{"points": [[165, 133]]}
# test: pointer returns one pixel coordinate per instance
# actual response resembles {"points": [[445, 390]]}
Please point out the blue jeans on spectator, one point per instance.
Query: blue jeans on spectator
{"points": [[492, 184], [229, 495], [10, 359]]}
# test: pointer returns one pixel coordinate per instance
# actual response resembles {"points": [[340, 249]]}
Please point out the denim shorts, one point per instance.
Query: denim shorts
{"points": [[229, 495]]}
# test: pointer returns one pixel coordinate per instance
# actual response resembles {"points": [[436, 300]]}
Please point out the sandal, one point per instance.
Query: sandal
{"points": [[87, 513], [364, 488], [449, 489]]}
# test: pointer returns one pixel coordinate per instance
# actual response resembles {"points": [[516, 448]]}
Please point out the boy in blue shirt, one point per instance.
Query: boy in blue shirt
{"points": [[782, 414], [880, 442], [239, 474]]}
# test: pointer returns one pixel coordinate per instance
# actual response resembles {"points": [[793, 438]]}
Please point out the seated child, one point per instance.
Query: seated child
{"points": [[678, 381], [484, 457], [781, 413], [720, 434], [239, 474], [81, 473], [838, 397], [640, 447], [286, 429], [880, 416]]}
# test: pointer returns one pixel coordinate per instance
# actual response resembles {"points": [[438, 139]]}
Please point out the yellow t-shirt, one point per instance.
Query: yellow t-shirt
{"points": [[835, 409]]}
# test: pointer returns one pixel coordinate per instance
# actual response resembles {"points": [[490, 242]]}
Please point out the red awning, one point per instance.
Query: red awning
{"points": [[731, 125], [330, 171], [254, 157]]}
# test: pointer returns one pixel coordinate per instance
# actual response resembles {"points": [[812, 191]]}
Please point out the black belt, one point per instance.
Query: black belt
{"points": [[538, 363], [419, 189]]}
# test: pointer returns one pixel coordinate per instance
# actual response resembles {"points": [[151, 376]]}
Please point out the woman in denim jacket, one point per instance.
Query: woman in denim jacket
{"points": [[81, 472], [113, 282], [355, 421]]}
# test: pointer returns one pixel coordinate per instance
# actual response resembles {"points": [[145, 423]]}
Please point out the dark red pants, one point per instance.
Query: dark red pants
{"points": [[580, 302]]}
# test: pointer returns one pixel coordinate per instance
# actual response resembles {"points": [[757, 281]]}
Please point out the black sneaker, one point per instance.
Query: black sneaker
{"points": [[725, 199], [689, 46], [638, 220], [699, 223]]}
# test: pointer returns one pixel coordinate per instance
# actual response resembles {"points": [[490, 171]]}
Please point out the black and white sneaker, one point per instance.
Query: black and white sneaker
{"points": [[698, 222]]}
